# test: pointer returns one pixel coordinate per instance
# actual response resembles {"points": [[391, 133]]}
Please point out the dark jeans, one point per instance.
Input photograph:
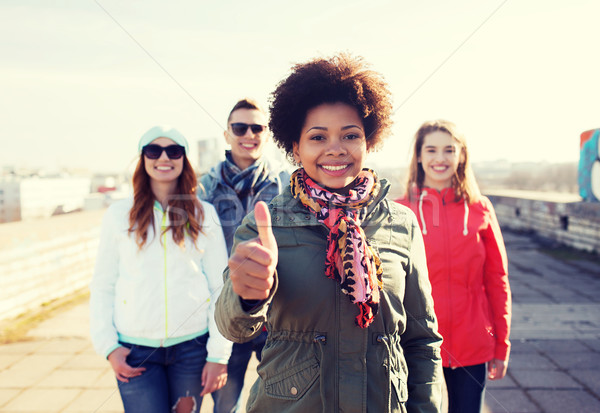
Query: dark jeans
{"points": [[465, 388], [227, 399], [171, 373]]}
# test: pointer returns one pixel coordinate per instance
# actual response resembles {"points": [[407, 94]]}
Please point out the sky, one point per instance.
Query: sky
{"points": [[82, 80]]}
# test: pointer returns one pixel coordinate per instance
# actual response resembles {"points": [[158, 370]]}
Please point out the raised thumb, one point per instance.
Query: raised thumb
{"points": [[263, 223]]}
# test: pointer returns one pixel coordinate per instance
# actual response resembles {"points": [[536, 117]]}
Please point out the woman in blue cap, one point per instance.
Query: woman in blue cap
{"points": [[157, 277]]}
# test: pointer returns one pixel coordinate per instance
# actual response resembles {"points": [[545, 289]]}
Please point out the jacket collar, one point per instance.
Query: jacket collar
{"points": [[216, 172], [446, 195]]}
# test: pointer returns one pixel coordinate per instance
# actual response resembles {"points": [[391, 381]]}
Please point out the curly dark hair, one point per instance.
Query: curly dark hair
{"points": [[341, 78]]}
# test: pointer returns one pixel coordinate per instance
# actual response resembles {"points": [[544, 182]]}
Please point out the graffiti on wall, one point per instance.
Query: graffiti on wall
{"points": [[589, 165]]}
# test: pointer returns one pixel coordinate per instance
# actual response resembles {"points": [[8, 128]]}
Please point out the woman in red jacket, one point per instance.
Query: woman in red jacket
{"points": [[466, 260]]}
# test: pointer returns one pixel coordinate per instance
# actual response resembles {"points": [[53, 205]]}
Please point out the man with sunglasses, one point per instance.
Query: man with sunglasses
{"points": [[234, 186]]}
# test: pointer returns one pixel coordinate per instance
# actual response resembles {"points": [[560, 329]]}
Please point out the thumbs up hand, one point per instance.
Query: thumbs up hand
{"points": [[252, 264]]}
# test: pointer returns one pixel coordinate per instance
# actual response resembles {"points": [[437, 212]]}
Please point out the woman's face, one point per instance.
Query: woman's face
{"points": [[163, 169], [440, 156], [332, 146]]}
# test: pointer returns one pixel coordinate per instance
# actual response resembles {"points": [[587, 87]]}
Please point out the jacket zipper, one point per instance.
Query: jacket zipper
{"points": [[163, 225], [336, 351], [448, 276]]}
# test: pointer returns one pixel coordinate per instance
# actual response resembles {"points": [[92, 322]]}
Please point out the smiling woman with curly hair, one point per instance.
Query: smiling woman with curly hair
{"points": [[335, 270], [343, 79]]}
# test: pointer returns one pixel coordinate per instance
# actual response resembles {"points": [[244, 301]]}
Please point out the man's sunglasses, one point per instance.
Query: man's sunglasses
{"points": [[154, 151], [239, 128]]}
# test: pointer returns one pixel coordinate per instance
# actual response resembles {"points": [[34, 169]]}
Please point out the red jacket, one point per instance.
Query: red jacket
{"points": [[468, 270]]}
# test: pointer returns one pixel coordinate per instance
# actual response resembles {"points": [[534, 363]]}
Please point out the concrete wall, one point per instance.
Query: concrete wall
{"points": [[560, 217], [42, 260]]}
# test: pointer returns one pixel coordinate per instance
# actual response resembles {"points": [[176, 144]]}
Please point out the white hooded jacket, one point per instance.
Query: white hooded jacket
{"points": [[162, 294]]}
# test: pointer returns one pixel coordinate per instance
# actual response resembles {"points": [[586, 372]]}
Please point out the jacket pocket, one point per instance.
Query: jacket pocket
{"points": [[293, 382], [400, 387], [398, 374]]}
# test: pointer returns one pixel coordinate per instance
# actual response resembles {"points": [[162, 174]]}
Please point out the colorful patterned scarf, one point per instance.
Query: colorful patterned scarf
{"points": [[247, 182], [350, 259]]}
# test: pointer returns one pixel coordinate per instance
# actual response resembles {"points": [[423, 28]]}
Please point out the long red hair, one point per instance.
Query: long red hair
{"points": [[185, 210]]}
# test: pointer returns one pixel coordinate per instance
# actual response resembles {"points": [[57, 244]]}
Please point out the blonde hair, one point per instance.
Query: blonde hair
{"points": [[463, 181]]}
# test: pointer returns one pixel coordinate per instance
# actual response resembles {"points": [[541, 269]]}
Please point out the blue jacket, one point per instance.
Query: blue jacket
{"points": [[230, 209]]}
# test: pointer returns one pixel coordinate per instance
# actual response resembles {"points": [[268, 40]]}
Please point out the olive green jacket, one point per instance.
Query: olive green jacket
{"points": [[316, 359]]}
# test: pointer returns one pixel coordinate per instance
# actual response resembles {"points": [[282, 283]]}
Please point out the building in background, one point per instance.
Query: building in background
{"points": [[105, 189], [24, 198], [209, 154], [10, 193]]}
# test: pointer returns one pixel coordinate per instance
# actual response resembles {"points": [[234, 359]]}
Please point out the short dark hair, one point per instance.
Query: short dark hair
{"points": [[341, 78], [246, 103]]}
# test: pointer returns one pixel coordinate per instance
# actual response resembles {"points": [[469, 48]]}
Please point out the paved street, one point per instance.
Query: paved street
{"points": [[554, 366], [555, 360]]}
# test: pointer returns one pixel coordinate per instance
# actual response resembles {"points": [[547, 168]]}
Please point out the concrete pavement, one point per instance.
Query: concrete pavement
{"points": [[554, 366], [555, 358]]}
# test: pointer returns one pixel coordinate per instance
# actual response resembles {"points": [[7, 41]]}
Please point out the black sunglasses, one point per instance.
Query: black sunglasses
{"points": [[239, 128], [154, 151]]}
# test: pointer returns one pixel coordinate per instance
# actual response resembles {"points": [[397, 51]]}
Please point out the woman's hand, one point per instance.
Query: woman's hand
{"points": [[118, 362], [252, 265], [497, 369], [214, 376]]}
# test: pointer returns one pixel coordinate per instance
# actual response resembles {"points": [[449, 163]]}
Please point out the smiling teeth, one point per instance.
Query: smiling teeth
{"points": [[334, 168], [164, 168], [248, 146]]}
